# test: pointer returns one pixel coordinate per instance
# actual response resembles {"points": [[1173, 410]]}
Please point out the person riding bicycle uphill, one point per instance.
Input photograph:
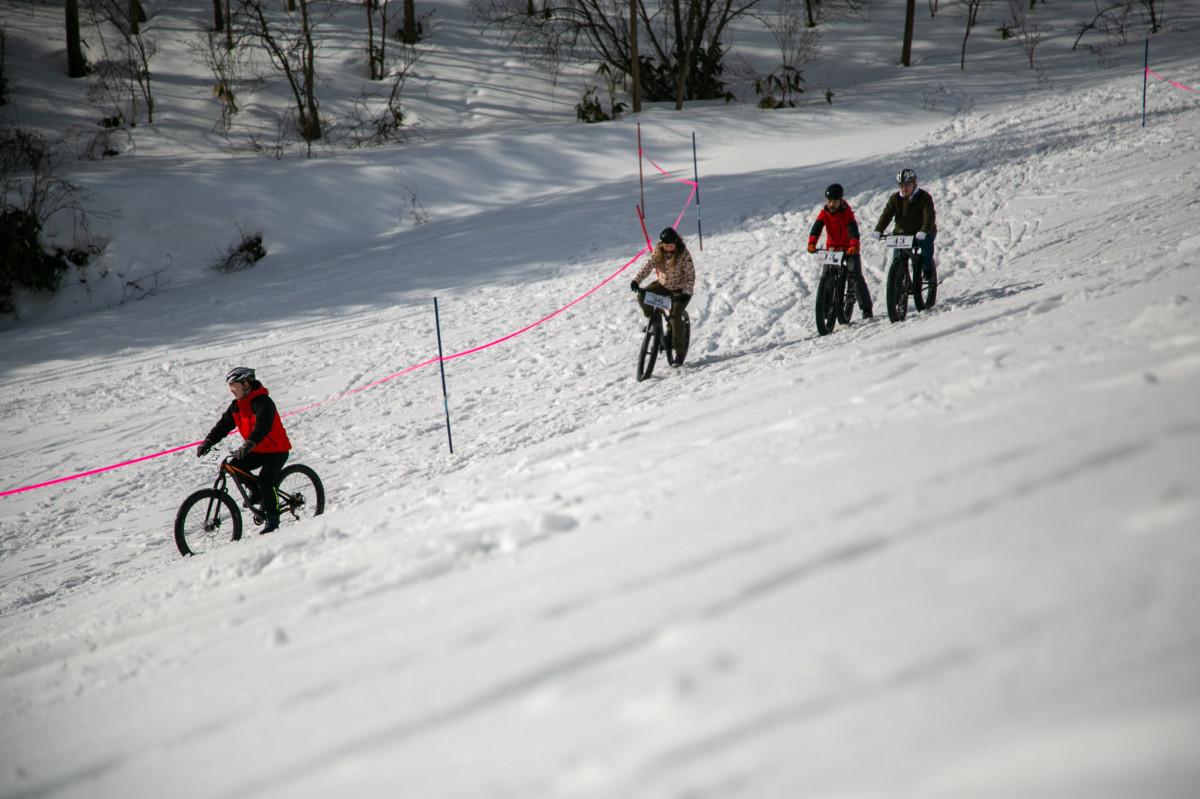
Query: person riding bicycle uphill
{"points": [[841, 234], [254, 415], [912, 208], [672, 265]]}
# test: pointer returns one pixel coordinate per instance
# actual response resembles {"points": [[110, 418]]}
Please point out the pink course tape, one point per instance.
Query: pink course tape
{"points": [[391, 376], [1173, 83]]}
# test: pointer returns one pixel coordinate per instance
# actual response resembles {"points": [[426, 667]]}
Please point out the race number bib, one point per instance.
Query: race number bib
{"points": [[898, 242], [658, 301], [830, 258]]}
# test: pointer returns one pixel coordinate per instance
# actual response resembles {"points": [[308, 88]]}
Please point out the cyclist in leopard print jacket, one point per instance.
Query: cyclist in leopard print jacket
{"points": [[672, 265]]}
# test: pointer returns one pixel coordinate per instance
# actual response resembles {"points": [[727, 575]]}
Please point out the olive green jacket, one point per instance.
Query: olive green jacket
{"points": [[913, 215]]}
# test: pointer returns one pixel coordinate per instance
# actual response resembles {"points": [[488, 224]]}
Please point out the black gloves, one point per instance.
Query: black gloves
{"points": [[243, 451], [633, 286], [684, 299], [204, 449]]}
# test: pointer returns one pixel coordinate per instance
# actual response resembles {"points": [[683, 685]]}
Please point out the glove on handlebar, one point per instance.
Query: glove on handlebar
{"points": [[241, 452], [812, 247], [203, 449], [634, 287], [875, 234], [921, 235]]}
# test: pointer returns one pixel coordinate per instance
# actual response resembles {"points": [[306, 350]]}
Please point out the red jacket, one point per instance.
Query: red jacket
{"points": [[257, 419], [841, 228]]}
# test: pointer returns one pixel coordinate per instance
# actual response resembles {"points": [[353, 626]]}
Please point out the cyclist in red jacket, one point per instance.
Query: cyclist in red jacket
{"points": [[841, 234], [254, 415]]}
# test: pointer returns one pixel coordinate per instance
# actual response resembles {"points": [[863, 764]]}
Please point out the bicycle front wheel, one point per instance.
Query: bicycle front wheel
{"points": [[205, 521], [827, 303], [649, 352], [301, 495], [897, 289]]}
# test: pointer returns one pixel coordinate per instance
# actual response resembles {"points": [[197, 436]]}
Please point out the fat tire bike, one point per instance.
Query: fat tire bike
{"points": [[210, 517], [837, 293], [905, 279], [658, 336]]}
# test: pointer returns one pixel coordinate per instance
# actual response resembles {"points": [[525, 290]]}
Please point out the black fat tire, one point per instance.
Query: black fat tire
{"points": [[925, 293], [303, 483], [675, 359], [897, 289], [649, 351], [206, 520], [827, 303], [847, 296]]}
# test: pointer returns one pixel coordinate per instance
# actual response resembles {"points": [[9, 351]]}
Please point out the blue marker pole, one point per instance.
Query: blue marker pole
{"points": [[1145, 80], [442, 365], [696, 173]]}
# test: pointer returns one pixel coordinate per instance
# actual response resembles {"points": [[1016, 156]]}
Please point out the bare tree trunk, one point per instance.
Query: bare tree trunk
{"points": [[310, 121], [972, 8], [137, 15], [635, 69], [1154, 15], [76, 65], [410, 22], [369, 6], [683, 41], [218, 17], [808, 8], [910, 12]]}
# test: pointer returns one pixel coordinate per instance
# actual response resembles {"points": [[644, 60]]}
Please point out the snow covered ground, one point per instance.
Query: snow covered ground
{"points": [[951, 557]]}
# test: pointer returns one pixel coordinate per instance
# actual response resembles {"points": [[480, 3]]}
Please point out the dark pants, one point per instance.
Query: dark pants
{"points": [[677, 306], [854, 264], [271, 464], [925, 248]]}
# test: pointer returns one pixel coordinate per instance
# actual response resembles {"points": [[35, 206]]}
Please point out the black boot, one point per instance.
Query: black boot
{"points": [[272, 524]]}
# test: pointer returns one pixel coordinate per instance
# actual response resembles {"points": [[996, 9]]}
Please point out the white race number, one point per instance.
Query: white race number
{"points": [[658, 301]]}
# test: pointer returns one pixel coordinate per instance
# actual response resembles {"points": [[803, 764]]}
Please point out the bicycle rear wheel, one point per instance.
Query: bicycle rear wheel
{"points": [[206, 520], [649, 352], [675, 359], [925, 295], [301, 495], [848, 294]]}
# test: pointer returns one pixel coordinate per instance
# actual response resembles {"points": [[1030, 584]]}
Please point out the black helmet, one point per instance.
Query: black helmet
{"points": [[239, 374], [906, 176], [668, 236], [834, 192]]}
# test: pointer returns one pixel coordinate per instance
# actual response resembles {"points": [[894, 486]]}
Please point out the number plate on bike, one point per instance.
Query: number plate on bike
{"points": [[898, 242], [213, 458], [830, 257], [658, 301]]}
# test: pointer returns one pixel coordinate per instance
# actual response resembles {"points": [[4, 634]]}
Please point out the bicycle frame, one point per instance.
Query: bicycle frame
{"points": [[227, 470], [906, 275], [836, 291], [658, 334]]}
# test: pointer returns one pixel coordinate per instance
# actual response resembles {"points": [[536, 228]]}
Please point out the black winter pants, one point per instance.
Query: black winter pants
{"points": [[271, 464], [854, 262]]}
